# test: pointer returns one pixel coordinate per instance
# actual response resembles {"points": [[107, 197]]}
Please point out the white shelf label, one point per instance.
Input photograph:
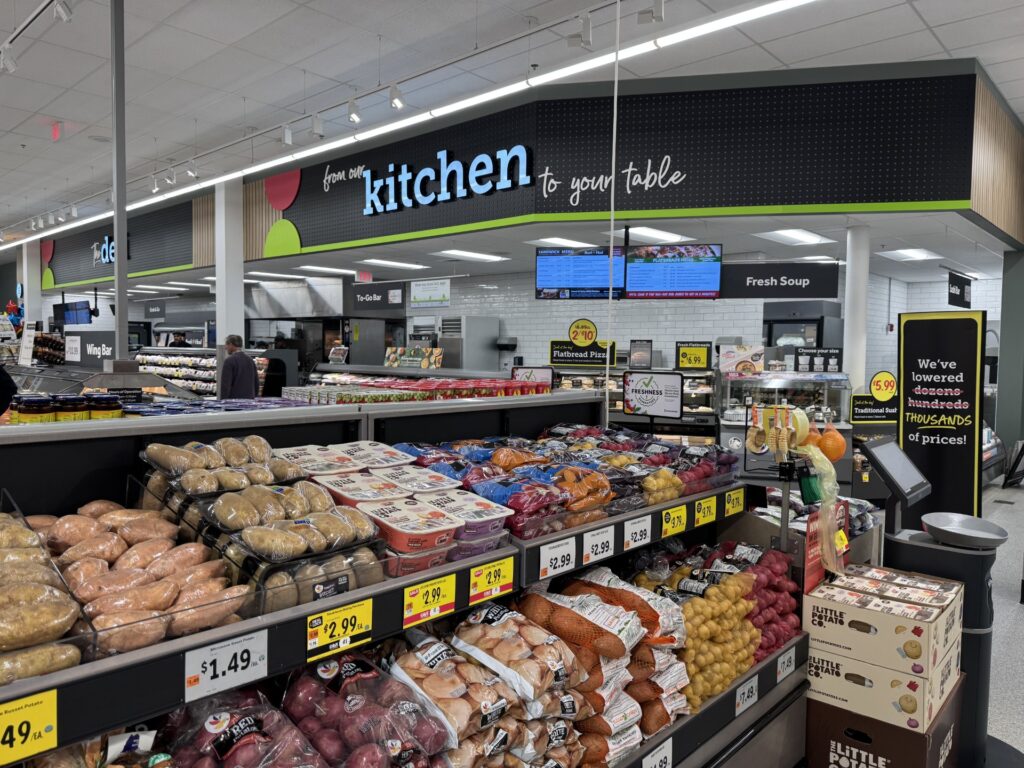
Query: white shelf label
{"points": [[785, 666], [599, 544], [746, 696], [636, 533], [557, 557], [660, 757], [225, 665]]}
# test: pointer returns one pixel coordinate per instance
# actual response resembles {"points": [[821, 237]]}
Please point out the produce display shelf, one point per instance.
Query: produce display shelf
{"points": [[123, 690], [410, 373], [581, 547]]}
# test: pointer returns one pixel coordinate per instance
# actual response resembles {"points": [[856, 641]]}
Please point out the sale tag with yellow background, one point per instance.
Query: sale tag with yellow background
{"points": [[883, 386], [705, 511], [28, 726], [693, 355], [491, 580], [339, 629], [583, 332], [673, 521], [734, 502], [428, 600]]}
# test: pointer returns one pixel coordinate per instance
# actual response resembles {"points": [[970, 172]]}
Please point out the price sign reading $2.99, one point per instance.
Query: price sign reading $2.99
{"points": [[28, 726], [428, 600], [339, 629], [557, 557], [491, 580], [599, 544], [226, 665], [636, 533]]}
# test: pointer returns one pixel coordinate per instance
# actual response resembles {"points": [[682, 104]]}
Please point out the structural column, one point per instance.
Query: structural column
{"points": [[119, 187], [229, 261], [855, 321], [1010, 400], [29, 275]]}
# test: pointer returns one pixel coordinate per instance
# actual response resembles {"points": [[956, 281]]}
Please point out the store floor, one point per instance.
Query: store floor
{"points": [[1004, 718]]}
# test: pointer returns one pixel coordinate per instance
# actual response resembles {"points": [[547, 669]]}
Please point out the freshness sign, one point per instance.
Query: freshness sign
{"points": [[226, 665], [652, 394], [428, 600]]}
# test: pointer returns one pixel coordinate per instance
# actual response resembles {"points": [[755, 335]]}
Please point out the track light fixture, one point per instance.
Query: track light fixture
{"points": [[74, 211], [7, 61], [32, 224], [395, 97], [41, 223], [171, 177], [286, 139], [584, 38], [60, 216], [655, 13], [50, 218], [62, 11], [155, 187], [318, 126], [353, 111], [192, 169]]}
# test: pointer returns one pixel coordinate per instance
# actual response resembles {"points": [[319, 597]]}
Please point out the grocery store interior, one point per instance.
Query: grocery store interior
{"points": [[511, 383]]}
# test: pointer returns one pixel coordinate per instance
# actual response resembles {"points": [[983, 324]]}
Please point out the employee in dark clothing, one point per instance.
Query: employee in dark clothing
{"points": [[179, 340], [238, 378], [8, 389]]}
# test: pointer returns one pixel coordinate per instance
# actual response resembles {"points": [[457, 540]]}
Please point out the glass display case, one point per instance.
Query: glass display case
{"points": [[47, 380], [825, 396]]}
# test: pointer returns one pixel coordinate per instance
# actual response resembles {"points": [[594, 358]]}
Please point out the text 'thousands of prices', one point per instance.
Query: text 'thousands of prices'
{"points": [[673, 521], [786, 665], [226, 665], [428, 600], [746, 696], [28, 726], [705, 511], [599, 544], [636, 533], [557, 557], [734, 502], [491, 580], [339, 629], [660, 757]]}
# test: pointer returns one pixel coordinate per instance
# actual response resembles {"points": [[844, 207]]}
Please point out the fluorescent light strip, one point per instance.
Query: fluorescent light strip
{"points": [[159, 287], [715, 25], [329, 270], [189, 285], [469, 255], [136, 290], [659, 236], [276, 275], [562, 242], [395, 264]]}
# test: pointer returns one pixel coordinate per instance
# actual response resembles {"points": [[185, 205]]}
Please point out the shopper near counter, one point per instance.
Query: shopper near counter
{"points": [[179, 340], [238, 378], [8, 389]]}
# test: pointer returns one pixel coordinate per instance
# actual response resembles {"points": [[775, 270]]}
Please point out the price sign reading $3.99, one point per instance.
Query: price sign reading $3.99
{"points": [[339, 629]]}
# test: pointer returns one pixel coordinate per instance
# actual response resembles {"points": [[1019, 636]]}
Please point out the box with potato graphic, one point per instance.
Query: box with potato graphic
{"points": [[909, 701], [899, 635]]}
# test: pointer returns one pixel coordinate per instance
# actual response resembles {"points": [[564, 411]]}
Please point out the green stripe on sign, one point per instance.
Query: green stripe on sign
{"points": [[654, 213], [144, 273]]}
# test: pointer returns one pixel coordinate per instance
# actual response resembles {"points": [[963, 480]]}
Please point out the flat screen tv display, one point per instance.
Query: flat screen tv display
{"points": [[674, 272], [578, 273], [74, 313]]}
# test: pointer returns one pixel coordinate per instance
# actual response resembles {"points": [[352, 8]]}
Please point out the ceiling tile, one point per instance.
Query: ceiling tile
{"points": [[10, 118], [89, 29], [21, 93], [365, 15], [812, 16], [53, 64], [229, 68], [861, 30], [285, 88], [177, 96], [982, 29], [169, 50], [228, 21], [895, 49], [993, 52], [294, 37], [1006, 70], [937, 12], [77, 106], [750, 59], [689, 52], [137, 81]]}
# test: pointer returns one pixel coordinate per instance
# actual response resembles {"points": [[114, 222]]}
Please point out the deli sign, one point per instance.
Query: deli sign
{"points": [[779, 280], [379, 295]]}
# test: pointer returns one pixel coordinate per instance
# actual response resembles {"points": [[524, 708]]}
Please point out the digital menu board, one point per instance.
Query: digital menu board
{"points": [[578, 273], [674, 272]]}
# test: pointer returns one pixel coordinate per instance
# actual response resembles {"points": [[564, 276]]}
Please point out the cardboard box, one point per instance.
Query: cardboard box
{"points": [[901, 636], [841, 739], [907, 701]]}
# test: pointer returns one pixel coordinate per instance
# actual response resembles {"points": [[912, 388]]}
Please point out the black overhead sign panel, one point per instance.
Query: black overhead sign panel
{"points": [[959, 291], [378, 295], [777, 280]]}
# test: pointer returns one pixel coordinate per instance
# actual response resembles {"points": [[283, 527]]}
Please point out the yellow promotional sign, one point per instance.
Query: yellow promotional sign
{"points": [[705, 511], [428, 600], [491, 580], [673, 521], [883, 386], [339, 629], [28, 726], [734, 502], [583, 332]]}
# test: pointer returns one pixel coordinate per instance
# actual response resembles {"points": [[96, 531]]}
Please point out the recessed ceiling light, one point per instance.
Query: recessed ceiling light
{"points": [[189, 285], [328, 270], [251, 282], [816, 258], [276, 275], [910, 254], [487, 287], [395, 264], [159, 287], [659, 236], [210, 277], [469, 255], [136, 290], [794, 237], [563, 242]]}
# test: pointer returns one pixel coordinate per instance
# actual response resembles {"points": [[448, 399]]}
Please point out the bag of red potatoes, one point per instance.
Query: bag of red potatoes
{"points": [[358, 716]]}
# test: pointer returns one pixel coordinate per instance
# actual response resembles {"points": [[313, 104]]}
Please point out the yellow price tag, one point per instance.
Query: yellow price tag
{"points": [[842, 543], [582, 333], [883, 386], [28, 726], [339, 629], [428, 600], [693, 357], [735, 500], [705, 511], [673, 521], [491, 580]]}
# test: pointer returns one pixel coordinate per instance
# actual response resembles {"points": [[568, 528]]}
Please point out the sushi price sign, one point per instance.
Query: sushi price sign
{"points": [[28, 726], [491, 580], [339, 629], [428, 600]]}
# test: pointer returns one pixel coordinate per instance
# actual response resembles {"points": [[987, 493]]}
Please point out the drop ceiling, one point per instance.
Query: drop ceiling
{"points": [[202, 73]]}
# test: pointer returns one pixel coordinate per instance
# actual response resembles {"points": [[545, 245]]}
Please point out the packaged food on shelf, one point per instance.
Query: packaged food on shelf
{"points": [[426, 453], [372, 454], [319, 459], [623, 712], [354, 488], [481, 518], [403, 563], [415, 479], [408, 525], [584, 620], [568, 703], [608, 750], [463, 548]]}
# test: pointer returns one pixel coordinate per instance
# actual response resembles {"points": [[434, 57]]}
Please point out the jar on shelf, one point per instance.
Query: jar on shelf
{"points": [[105, 407], [70, 408], [36, 410]]}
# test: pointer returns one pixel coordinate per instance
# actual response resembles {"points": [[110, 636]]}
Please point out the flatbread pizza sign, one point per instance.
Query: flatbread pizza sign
{"points": [[582, 348]]}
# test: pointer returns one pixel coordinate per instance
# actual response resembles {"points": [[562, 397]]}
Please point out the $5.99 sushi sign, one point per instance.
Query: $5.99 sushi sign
{"points": [[652, 394]]}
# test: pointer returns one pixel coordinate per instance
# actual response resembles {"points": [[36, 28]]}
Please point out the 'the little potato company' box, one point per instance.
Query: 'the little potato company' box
{"points": [[909, 701], [843, 739], [901, 636]]}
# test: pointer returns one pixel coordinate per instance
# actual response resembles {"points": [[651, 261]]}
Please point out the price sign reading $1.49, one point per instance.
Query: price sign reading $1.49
{"points": [[339, 629], [557, 557], [28, 726], [428, 600], [636, 533], [226, 665]]}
